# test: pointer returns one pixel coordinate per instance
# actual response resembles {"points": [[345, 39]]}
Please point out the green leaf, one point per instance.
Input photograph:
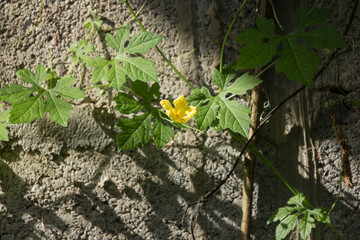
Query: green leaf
{"points": [[62, 88], [198, 96], [27, 76], [297, 62], [100, 66], [135, 131], [59, 109], [126, 104], [4, 117], [261, 44], [234, 116], [286, 226], [141, 42], [320, 37], [242, 84], [14, 93], [297, 200], [254, 55], [218, 79], [162, 133], [306, 224], [118, 43], [280, 214], [29, 103], [28, 110], [206, 114], [321, 215], [139, 68], [303, 19], [79, 49], [116, 75]]}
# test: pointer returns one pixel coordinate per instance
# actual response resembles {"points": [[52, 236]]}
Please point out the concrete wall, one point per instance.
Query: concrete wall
{"points": [[71, 183]]}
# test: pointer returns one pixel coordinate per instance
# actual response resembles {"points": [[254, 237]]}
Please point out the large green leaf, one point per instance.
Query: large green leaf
{"points": [[126, 104], [64, 89], [303, 19], [30, 103], [28, 110], [135, 131], [100, 66], [206, 114], [319, 37], [297, 62], [139, 68], [116, 75], [15, 92], [59, 109], [162, 133], [234, 116], [261, 44]]}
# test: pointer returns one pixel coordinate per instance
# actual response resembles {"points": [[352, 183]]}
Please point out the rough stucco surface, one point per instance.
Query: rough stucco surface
{"points": [[71, 183]]}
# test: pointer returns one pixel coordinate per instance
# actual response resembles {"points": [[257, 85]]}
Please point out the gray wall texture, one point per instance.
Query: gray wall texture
{"points": [[71, 183]]}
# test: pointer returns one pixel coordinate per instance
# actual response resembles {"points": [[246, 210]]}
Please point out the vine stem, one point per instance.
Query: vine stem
{"points": [[227, 35], [158, 49]]}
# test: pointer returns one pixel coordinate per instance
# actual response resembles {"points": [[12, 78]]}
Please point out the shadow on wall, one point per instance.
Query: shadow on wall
{"points": [[16, 210]]}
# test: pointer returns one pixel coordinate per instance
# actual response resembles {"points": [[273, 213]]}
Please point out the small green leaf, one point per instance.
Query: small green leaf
{"points": [[297, 200], [242, 84], [141, 42], [286, 226], [218, 79], [280, 214], [135, 131], [161, 133], [234, 116], [79, 49], [118, 43], [306, 224], [126, 104]]}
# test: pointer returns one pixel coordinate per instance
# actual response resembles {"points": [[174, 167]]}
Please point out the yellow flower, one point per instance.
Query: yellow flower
{"points": [[181, 113]]}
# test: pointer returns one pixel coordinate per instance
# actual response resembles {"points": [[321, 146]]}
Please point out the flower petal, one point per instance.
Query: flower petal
{"points": [[191, 111], [166, 105], [180, 103]]}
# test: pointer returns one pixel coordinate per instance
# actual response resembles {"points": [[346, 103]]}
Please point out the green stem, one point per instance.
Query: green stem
{"points": [[227, 34], [265, 69], [159, 51]]}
